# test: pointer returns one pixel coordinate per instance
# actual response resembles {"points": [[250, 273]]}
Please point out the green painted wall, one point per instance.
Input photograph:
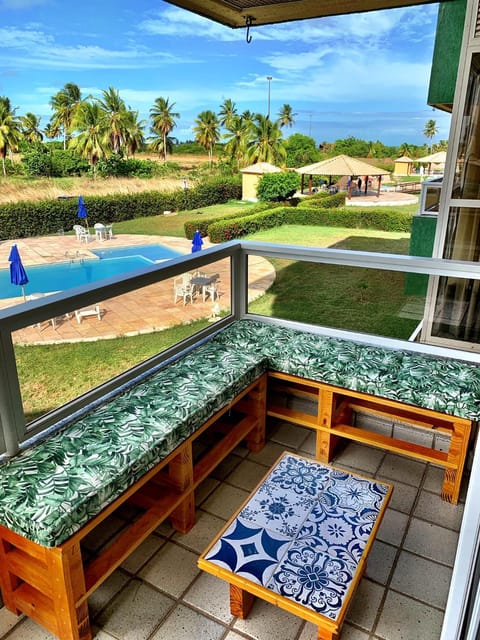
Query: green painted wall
{"points": [[421, 244], [446, 53]]}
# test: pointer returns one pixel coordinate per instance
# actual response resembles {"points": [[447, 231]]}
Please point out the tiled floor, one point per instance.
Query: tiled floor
{"points": [[159, 593]]}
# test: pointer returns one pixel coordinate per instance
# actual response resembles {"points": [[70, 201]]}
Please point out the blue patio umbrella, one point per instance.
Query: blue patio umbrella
{"points": [[82, 210], [18, 275], [197, 241]]}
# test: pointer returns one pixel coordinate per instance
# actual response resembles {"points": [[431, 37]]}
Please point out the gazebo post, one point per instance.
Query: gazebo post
{"points": [[310, 184], [302, 183], [379, 183]]}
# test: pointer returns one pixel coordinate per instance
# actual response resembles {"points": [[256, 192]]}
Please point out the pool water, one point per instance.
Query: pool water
{"points": [[67, 275]]}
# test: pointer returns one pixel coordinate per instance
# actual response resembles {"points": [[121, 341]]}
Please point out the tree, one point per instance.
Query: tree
{"points": [[10, 132], [286, 116], [207, 132], [115, 117], [163, 121], [301, 150], [405, 150], [267, 143], [352, 147], [92, 141], [133, 132], [237, 136], [64, 105], [52, 131], [30, 124], [430, 131], [228, 111]]}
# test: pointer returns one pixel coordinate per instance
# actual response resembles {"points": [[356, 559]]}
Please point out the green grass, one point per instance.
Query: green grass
{"points": [[174, 225], [81, 366], [357, 299], [353, 298]]}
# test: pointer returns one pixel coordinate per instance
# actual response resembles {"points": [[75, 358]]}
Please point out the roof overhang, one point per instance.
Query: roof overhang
{"points": [[238, 13]]}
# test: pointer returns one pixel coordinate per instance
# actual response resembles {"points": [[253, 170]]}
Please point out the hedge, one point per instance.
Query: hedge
{"points": [[27, 219], [351, 217], [203, 224]]}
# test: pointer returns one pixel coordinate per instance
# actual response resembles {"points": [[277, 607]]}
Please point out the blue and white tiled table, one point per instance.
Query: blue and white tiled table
{"points": [[300, 541]]}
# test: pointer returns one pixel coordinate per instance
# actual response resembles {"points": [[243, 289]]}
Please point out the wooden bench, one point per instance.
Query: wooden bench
{"points": [[138, 447], [300, 541], [148, 448]]}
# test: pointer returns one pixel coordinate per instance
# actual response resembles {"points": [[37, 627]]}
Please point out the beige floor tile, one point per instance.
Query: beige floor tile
{"points": [[206, 528], [142, 554], [211, 595], [431, 541], [393, 527], [421, 579], [289, 434], [403, 496], [365, 604], [106, 592], [185, 624], [172, 569], [29, 630], [405, 619], [432, 508], [380, 561], [224, 501], [268, 622], [358, 457], [402, 469], [135, 613], [247, 475]]}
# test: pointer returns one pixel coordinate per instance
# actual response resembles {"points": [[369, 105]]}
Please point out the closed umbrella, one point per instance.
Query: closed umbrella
{"points": [[82, 211], [197, 241], [18, 275]]}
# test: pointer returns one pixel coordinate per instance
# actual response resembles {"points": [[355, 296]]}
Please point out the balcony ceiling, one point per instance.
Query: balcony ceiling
{"points": [[234, 13]]}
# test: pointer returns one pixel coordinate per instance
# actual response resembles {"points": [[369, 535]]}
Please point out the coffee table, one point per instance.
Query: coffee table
{"points": [[300, 541]]}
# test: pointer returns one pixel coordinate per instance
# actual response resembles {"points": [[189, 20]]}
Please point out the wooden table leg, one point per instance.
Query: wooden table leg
{"points": [[241, 602], [324, 634]]}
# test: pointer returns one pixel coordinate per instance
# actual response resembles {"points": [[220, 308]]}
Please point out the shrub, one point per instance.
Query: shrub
{"points": [[352, 217], [276, 187]]}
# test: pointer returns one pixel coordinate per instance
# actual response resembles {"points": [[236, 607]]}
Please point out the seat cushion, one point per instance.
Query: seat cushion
{"points": [[48, 492]]}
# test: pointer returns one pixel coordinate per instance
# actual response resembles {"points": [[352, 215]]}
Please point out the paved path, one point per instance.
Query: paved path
{"points": [[142, 311]]}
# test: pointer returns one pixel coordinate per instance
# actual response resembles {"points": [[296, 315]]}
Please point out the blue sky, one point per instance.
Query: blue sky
{"points": [[363, 75]]}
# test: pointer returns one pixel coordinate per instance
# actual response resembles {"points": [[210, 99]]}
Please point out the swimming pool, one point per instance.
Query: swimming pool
{"points": [[67, 275]]}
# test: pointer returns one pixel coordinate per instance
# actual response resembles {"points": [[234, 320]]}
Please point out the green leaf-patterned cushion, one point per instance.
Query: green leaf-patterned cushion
{"points": [[442, 384], [51, 490], [48, 492]]}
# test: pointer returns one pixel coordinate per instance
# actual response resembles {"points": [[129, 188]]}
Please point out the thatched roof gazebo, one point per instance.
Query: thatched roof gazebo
{"points": [[341, 165]]}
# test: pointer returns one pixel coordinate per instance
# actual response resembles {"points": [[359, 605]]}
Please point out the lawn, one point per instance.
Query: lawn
{"points": [[358, 299]]}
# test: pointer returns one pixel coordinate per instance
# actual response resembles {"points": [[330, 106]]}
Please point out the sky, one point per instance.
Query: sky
{"points": [[364, 75]]}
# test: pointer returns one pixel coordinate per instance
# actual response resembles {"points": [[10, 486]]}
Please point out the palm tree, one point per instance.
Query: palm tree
{"points": [[228, 111], [114, 114], [405, 150], [266, 144], [30, 124], [430, 130], [286, 116], [237, 137], [52, 131], [207, 132], [92, 141], [163, 121], [64, 105], [10, 132], [134, 132]]}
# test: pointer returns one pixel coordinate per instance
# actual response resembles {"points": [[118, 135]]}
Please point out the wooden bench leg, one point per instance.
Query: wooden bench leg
{"points": [[241, 602], [180, 472], [258, 404], [456, 454], [68, 583]]}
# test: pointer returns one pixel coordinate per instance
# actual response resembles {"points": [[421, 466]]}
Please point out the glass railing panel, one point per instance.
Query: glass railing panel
{"points": [[373, 301], [61, 358]]}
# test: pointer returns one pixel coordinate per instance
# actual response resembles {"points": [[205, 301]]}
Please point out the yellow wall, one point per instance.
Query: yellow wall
{"points": [[249, 186]]}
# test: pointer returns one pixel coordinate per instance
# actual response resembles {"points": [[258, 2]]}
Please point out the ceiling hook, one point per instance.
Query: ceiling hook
{"points": [[249, 23]]}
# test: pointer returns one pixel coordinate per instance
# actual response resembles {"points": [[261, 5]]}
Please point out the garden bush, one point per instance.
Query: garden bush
{"points": [[277, 187], [27, 219], [350, 217], [203, 224]]}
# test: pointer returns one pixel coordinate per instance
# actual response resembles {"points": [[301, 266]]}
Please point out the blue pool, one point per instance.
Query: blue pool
{"points": [[67, 275]]}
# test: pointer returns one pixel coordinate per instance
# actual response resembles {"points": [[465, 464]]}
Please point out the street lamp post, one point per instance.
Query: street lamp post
{"points": [[269, 78]]}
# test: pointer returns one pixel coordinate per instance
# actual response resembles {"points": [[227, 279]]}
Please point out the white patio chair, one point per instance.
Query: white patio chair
{"points": [[182, 288], [88, 311], [81, 233]]}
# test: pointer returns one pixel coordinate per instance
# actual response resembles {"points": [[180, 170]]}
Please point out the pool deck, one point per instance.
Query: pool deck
{"points": [[143, 311]]}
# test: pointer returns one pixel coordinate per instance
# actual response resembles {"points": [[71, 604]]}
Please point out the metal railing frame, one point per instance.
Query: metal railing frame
{"points": [[15, 434]]}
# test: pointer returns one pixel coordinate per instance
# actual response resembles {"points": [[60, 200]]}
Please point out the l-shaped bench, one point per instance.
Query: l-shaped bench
{"points": [[152, 444]]}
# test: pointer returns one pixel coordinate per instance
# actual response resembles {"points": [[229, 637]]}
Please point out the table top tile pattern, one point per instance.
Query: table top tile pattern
{"points": [[302, 533]]}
